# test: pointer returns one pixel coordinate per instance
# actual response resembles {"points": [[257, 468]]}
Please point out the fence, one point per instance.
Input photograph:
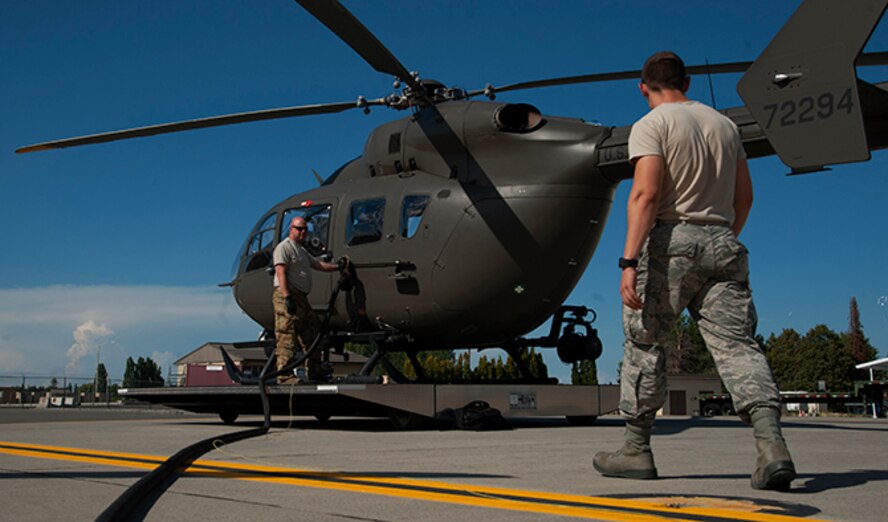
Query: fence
{"points": [[28, 390]]}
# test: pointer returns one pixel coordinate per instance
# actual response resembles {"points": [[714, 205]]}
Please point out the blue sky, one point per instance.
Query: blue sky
{"points": [[118, 247]]}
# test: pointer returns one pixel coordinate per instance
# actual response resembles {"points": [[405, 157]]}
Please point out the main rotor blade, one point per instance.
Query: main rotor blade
{"points": [[865, 59], [351, 31], [214, 121], [716, 68]]}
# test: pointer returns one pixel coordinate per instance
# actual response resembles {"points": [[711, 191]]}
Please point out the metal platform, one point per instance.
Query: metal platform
{"points": [[579, 402]]}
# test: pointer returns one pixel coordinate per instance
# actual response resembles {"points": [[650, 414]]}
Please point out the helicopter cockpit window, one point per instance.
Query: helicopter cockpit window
{"points": [[365, 221], [318, 220], [258, 254], [412, 210]]}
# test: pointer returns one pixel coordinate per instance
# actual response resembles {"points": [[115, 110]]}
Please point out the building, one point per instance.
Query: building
{"points": [[15, 395], [684, 390], [10, 395], [205, 366], [880, 389]]}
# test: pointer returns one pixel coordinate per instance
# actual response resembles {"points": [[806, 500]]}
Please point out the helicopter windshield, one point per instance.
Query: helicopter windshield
{"points": [[318, 220], [264, 235], [257, 253], [411, 213]]}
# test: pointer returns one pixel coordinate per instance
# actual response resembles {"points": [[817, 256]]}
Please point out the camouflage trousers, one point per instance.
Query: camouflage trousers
{"points": [[704, 269], [294, 333]]}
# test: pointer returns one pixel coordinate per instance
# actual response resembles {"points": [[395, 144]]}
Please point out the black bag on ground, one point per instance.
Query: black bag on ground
{"points": [[479, 416]]}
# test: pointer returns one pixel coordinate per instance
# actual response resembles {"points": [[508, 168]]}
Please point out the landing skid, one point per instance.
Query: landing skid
{"points": [[572, 346]]}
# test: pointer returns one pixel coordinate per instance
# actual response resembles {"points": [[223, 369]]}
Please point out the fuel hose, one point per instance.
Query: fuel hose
{"points": [[138, 499]]}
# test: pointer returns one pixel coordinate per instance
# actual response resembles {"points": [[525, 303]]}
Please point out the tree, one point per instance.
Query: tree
{"points": [[799, 363], [537, 365], [149, 372], [784, 353], [464, 366], [499, 369], [129, 374], [101, 378], [826, 359], [438, 365], [686, 351], [584, 372], [143, 373], [484, 370], [510, 368], [858, 346]]}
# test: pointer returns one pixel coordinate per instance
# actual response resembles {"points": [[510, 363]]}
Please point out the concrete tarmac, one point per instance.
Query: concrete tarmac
{"points": [[72, 464]]}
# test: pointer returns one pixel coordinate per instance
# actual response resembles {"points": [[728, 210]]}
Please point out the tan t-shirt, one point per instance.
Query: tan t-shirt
{"points": [[701, 148], [298, 265]]}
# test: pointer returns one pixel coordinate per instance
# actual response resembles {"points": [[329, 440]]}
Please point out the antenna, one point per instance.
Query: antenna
{"points": [[318, 177], [711, 90]]}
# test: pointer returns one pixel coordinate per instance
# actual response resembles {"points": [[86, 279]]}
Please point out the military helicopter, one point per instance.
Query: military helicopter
{"points": [[469, 222]]}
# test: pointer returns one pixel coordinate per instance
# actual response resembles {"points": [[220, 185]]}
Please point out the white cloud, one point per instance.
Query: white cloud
{"points": [[88, 337], [118, 305], [163, 323]]}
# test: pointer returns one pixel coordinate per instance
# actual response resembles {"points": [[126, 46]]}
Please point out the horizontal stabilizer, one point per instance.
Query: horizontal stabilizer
{"points": [[803, 89]]}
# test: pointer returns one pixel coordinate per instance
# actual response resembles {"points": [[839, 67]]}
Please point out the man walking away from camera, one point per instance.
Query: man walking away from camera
{"points": [[690, 197]]}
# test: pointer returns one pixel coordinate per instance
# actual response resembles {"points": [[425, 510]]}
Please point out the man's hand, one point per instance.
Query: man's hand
{"points": [[291, 305], [343, 263], [627, 289]]}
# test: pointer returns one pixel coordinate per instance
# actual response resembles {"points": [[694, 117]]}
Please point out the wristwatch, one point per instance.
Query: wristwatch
{"points": [[627, 263]]}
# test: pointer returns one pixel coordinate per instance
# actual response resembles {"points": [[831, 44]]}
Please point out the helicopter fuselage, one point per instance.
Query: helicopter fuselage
{"points": [[469, 224]]}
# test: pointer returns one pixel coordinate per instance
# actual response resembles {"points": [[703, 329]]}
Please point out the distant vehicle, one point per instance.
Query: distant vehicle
{"points": [[861, 400]]}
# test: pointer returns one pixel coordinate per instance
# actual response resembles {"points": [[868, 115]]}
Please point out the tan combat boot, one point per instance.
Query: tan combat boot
{"points": [[318, 371], [773, 466], [288, 378], [634, 460]]}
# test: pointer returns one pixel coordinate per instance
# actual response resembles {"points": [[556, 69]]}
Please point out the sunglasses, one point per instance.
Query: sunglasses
{"points": [[300, 228]]}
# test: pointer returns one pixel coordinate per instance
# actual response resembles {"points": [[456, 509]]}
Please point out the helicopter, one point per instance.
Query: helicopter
{"points": [[469, 222]]}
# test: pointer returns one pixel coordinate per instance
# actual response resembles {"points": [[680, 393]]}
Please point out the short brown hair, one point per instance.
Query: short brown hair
{"points": [[664, 70]]}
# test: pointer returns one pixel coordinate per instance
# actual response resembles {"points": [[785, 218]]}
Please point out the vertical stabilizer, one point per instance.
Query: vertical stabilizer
{"points": [[803, 88]]}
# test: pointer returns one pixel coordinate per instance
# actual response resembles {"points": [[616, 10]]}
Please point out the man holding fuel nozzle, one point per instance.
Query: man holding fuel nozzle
{"points": [[295, 323]]}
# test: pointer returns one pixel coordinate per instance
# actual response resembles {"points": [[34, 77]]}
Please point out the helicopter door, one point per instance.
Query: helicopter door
{"points": [[413, 232], [317, 215]]}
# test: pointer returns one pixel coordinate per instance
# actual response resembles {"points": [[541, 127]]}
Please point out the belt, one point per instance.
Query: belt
{"points": [[689, 221], [299, 292]]}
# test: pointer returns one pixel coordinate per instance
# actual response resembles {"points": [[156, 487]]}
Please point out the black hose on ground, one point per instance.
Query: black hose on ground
{"points": [[138, 499]]}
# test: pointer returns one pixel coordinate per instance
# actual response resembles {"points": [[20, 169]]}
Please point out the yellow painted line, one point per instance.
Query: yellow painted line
{"points": [[599, 508], [107, 458], [494, 491]]}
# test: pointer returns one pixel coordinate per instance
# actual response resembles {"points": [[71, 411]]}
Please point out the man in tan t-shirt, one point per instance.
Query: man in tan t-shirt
{"points": [[295, 323], [690, 197]]}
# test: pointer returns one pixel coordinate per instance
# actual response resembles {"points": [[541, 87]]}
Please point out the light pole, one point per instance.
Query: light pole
{"points": [[96, 379], [96, 395]]}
